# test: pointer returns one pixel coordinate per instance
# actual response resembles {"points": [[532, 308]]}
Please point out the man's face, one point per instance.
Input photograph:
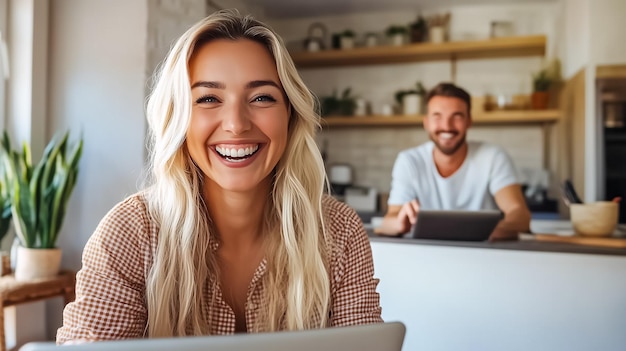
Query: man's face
{"points": [[447, 122]]}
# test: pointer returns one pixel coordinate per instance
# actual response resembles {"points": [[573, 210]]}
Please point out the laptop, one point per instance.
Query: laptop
{"points": [[456, 225], [370, 337]]}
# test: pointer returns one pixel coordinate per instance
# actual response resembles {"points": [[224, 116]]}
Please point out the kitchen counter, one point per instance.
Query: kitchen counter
{"points": [[526, 242], [518, 295]]}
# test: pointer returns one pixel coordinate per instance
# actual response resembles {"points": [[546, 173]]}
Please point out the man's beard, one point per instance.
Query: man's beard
{"points": [[446, 150]]}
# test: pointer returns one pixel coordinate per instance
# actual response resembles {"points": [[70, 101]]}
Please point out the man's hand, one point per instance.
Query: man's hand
{"points": [[399, 219], [510, 200]]}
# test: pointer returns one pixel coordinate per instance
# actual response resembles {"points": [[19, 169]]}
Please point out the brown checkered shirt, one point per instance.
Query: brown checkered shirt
{"points": [[111, 285]]}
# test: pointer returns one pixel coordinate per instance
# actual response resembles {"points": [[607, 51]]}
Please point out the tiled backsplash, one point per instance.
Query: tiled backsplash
{"points": [[372, 151]]}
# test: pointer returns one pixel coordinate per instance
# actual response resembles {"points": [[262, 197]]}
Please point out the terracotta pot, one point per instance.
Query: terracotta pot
{"points": [[33, 264], [539, 100]]}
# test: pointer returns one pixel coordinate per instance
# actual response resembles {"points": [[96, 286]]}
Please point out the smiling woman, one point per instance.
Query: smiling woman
{"points": [[239, 116], [234, 232]]}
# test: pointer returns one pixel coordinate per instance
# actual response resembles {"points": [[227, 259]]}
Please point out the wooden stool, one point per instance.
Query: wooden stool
{"points": [[14, 293]]}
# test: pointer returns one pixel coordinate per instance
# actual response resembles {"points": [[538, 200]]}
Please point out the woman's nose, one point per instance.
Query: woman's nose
{"points": [[236, 119]]}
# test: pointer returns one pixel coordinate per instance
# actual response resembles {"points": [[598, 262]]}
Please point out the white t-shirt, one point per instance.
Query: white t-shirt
{"points": [[486, 169]]}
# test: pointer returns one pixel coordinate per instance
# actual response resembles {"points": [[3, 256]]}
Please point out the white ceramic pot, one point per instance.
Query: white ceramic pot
{"points": [[437, 34], [397, 39], [346, 43], [360, 109], [33, 264], [313, 46], [411, 104]]}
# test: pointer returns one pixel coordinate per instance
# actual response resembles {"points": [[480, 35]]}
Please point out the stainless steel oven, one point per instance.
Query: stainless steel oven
{"points": [[612, 105]]}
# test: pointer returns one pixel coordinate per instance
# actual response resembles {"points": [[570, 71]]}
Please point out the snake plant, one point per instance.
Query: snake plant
{"points": [[40, 193], [5, 201]]}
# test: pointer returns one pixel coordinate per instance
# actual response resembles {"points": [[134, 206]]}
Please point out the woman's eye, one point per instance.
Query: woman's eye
{"points": [[207, 99], [264, 98]]}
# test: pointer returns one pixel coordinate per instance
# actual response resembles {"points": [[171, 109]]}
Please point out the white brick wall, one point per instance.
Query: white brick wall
{"points": [[372, 151], [167, 20]]}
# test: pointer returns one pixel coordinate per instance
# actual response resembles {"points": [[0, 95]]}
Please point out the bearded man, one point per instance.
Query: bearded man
{"points": [[450, 173]]}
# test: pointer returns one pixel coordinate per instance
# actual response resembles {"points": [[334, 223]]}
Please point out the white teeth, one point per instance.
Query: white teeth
{"points": [[446, 135], [241, 152]]}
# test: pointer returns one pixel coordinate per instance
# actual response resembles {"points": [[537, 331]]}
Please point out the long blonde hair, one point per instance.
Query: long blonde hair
{"points": [[297, 283]]}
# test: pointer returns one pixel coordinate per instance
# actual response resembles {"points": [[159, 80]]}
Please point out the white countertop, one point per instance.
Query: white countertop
{"points": [[548, 226]]}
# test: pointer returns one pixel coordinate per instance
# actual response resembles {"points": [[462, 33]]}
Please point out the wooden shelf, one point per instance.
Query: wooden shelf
{"points": [[491, 48], [486, 118]]}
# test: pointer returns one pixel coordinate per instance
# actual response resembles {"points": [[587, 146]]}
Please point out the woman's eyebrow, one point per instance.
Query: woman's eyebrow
{"points": [[205, 84], [219, 85], [259, 83]]}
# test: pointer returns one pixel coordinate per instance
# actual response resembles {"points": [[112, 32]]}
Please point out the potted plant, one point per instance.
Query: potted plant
{"points": [[541, 86], [411, 101], [39, 197], [371, 39], [346, 40], [342, 105], [419, 29], [5, 216], [396, 34], [438, 27]]}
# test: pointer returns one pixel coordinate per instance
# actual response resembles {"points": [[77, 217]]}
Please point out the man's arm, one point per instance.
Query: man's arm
{"points": [[399, 219], [511, 201]]}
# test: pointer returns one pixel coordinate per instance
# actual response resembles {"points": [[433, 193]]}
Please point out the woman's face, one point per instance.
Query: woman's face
{"points": [[239, 116]]}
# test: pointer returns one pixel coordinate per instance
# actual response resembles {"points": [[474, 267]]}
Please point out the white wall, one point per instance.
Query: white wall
{"points": [[27, 88], [575, 36], [608, 24], [453, 298], [97, 90], [166, 22]]}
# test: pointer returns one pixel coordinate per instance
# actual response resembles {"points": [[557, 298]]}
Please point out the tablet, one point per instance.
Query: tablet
{"points": [[456, 225]]}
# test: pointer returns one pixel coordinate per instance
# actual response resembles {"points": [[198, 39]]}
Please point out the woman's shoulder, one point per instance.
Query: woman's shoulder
{"points": [[134, 205], [337, 210], [127, 223], [122, 246], [342, 221]]}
